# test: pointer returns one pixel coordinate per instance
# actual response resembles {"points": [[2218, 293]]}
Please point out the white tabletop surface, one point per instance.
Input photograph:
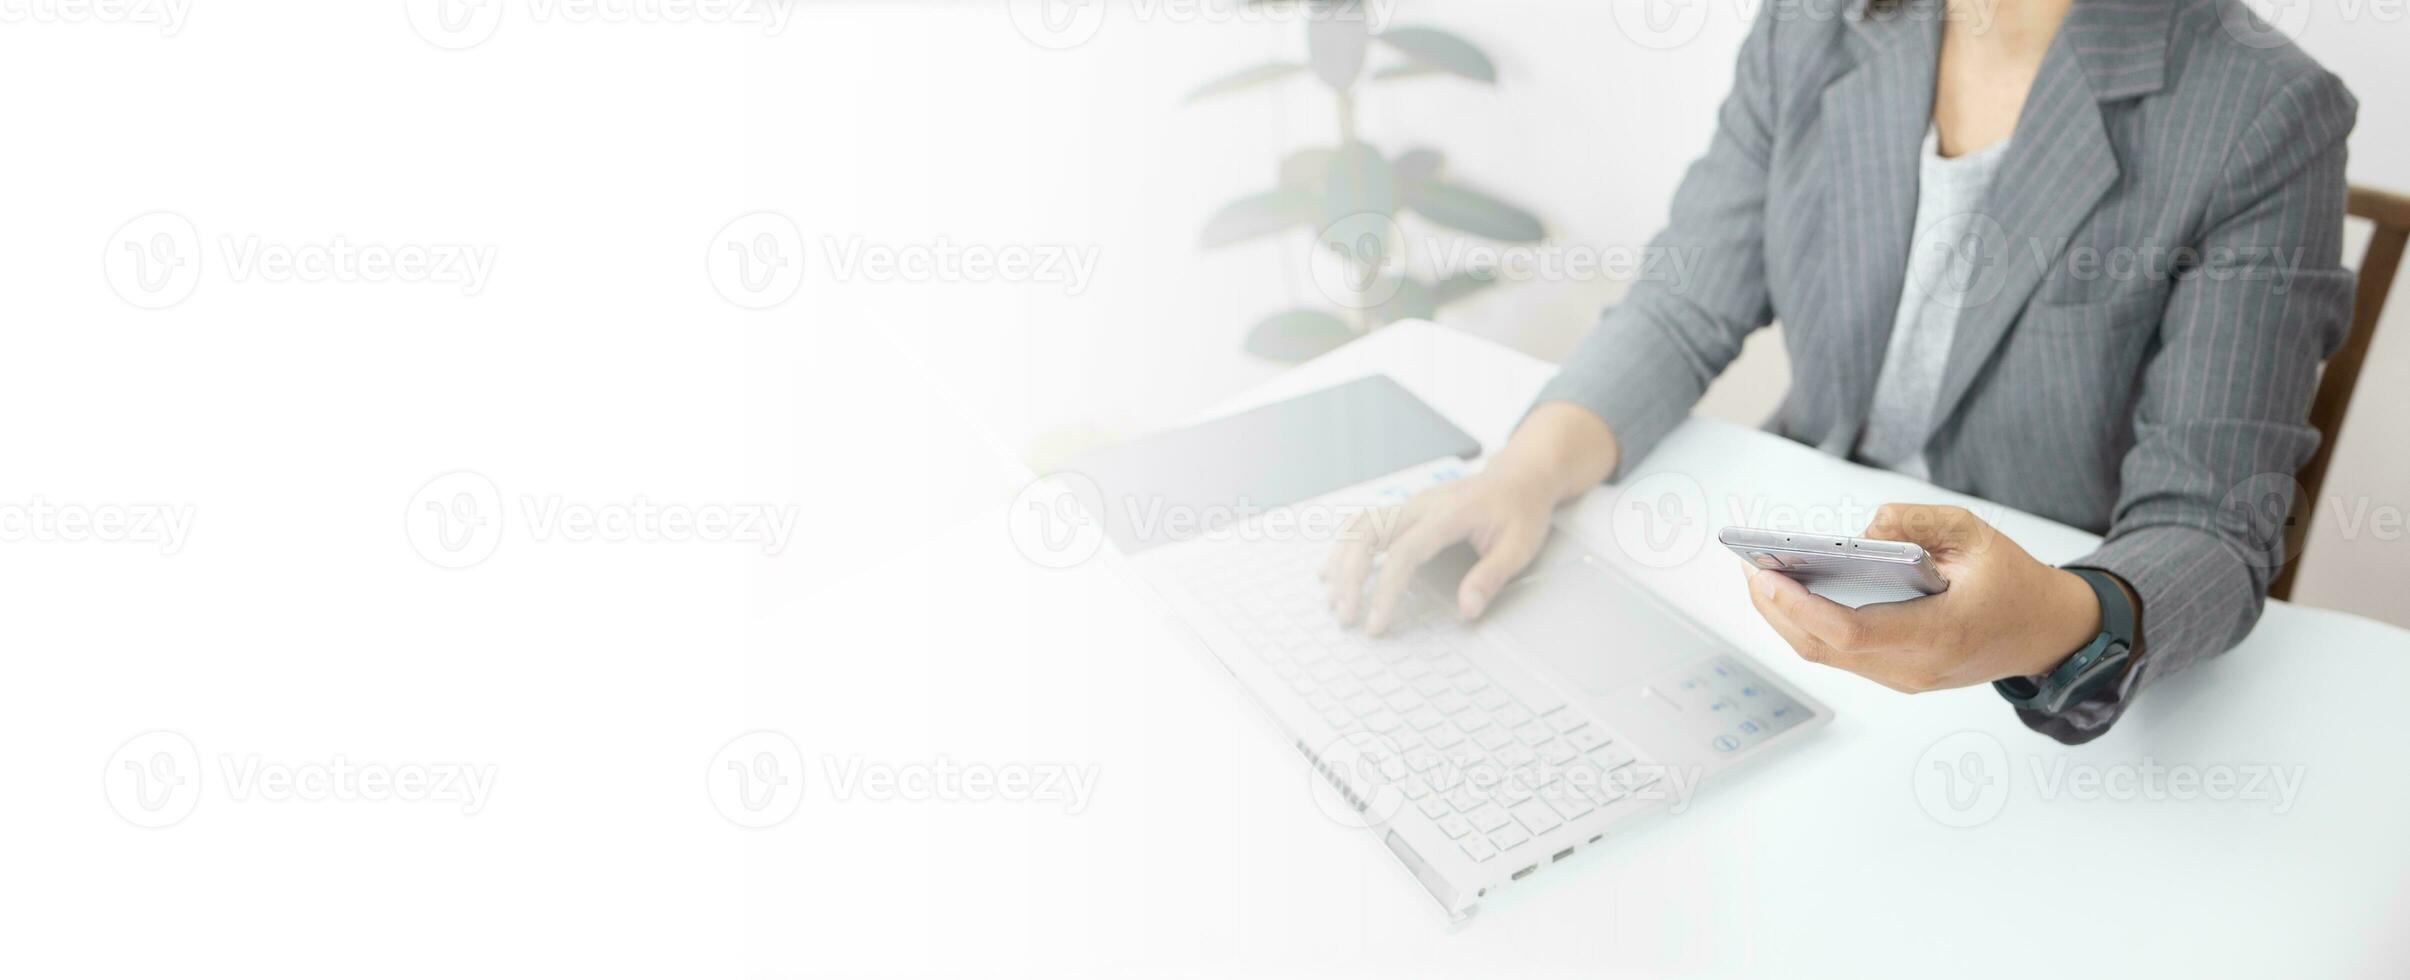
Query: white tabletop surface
{"points": [[2248, 818]]}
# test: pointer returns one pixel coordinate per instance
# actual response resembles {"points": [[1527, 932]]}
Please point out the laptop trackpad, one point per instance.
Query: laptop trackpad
{"points": [[1593, 627]]}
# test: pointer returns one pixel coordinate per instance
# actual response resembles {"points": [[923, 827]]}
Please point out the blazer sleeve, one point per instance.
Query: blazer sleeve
{"points": [[2220, 419], [1648, 359]]}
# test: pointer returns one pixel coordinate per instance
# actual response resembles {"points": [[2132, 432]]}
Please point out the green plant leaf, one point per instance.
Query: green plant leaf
{"points": [[1442, 50], [1249, 78], [1467, 210], [1358, 181], [1297, 335], [1461, 284], [1305, 169], [1257, 215], [1415, 168], [1359, 194], [1336, 35], [1408, 68]]}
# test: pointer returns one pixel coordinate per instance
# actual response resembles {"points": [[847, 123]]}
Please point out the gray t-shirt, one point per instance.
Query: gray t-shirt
{"points": [[1951, 196]]}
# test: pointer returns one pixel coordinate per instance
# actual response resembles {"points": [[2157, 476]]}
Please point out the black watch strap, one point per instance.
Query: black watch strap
{"points": [[2101, 662]]}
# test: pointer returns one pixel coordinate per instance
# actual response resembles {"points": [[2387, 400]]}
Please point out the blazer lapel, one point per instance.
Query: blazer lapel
{"points": [[1876, 117], [2058, 166]]}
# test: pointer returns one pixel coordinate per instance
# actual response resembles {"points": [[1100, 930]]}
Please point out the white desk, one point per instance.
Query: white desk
{"points": [[1203, 852]]}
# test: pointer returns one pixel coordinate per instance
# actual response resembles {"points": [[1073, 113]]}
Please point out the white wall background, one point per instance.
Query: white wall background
{"points": [[302, 418], [1587, 126]]}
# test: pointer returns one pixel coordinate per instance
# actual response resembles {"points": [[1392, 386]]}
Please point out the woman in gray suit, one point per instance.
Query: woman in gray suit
{"points": [[2081, 257]]}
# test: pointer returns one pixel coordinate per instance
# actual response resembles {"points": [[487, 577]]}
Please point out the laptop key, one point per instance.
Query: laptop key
{"points": [[1489, 818], [1464, 800], [1509, 837], [1478, 849], [1566, 803], [1535, 816]]}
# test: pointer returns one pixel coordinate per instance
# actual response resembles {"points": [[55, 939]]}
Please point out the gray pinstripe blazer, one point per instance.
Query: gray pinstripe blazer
{"points": [[2159, 279]]}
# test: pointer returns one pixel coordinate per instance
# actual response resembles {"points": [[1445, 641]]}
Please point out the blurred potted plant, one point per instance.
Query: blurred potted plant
{"points": [[1351, 192]]}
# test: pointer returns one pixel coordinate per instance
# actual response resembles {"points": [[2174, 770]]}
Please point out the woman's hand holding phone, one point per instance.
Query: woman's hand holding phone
{"points": [[2006, 614]]}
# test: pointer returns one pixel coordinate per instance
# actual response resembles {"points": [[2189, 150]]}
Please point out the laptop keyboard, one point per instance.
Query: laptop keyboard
{"points": [[1492, 758]]}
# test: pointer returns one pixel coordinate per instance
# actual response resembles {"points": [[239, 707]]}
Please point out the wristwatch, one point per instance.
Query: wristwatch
{"points": [[2100, 664]]}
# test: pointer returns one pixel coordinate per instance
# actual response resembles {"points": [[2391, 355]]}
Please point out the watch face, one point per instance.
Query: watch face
{"points": [[2104, 669]]}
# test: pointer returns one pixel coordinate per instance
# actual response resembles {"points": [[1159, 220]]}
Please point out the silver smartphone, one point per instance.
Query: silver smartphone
{"points": [[1851, 571]]}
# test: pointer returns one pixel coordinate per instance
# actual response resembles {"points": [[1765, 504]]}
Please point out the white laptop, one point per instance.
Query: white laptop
{"points": [[1476, 753]]}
